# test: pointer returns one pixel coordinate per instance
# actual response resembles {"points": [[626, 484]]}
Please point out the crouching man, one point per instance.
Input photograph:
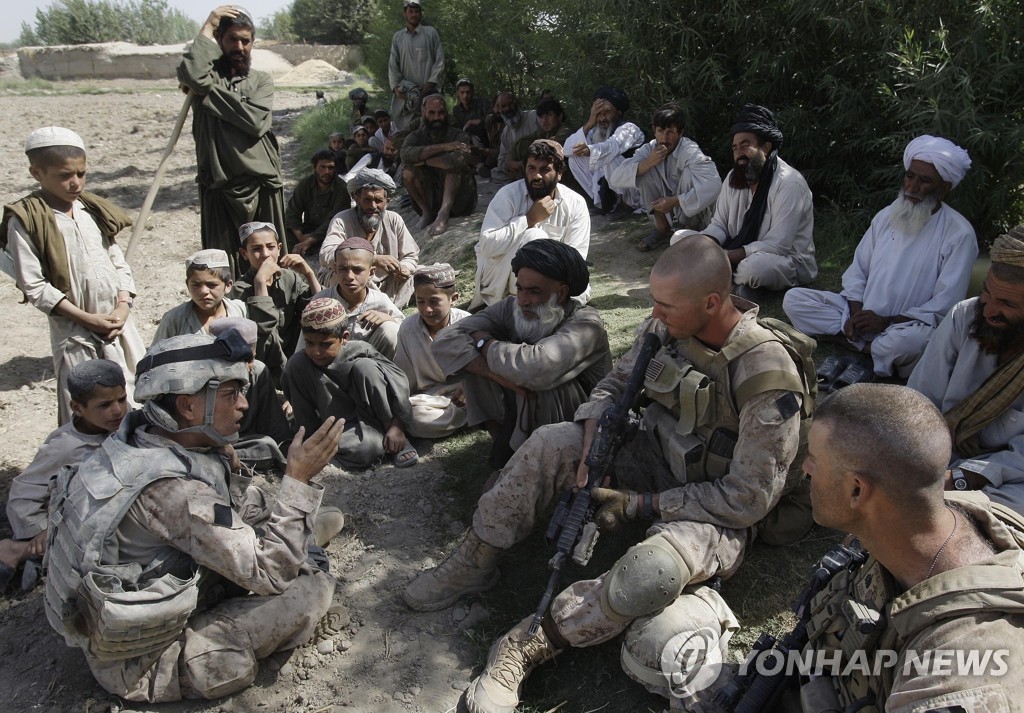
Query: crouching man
{"points": [[148, 554]]}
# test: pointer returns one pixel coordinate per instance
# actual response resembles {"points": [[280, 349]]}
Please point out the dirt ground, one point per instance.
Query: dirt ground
{"points": [[386, 658]]}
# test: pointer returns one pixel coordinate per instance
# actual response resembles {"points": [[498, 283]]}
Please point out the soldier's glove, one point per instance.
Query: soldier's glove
{"points": [[617, 507]]}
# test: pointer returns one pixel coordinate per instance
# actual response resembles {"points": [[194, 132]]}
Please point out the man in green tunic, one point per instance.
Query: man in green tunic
{"points": [[238, 159]]}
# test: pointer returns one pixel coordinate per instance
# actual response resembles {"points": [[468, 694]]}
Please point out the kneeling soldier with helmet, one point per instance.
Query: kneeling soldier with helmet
{"points": [[148, 554]]}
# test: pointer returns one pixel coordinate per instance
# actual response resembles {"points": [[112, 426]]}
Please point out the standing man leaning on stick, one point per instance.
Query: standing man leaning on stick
{"points": [[239, 164]]}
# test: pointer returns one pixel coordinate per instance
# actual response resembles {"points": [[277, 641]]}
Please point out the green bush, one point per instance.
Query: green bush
{"points": [[75, 22], [851, 83], [337, 22]]}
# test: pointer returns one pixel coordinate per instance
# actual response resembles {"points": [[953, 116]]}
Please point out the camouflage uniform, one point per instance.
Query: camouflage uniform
{"points": [[710, 510]]}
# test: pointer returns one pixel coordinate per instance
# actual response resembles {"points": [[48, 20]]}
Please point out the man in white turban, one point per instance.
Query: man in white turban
{"points": [[396, 254], [912, 265]]}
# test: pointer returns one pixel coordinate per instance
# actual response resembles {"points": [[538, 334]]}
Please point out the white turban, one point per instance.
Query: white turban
{"points": [[949, 160], [371, 178]]}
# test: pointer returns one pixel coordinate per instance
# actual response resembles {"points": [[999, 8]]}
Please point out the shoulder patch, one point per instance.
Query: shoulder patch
{"points": [[222, 515], [787, 405]]}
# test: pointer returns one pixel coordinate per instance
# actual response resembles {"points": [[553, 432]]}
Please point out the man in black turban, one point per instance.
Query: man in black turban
{"points": [[764, 217], [533, 357], [600, 145]]}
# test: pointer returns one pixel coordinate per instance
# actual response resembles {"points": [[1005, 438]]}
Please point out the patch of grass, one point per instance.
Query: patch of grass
{"points": [[313, 127]]}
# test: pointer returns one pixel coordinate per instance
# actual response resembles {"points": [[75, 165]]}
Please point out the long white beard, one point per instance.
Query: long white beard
{"points": [[542, 324], [909, 217]]}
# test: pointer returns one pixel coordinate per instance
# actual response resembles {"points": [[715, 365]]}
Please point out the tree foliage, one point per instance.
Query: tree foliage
{"points": [[851, 83], [75, 22], [335, 22], [277, 27]]}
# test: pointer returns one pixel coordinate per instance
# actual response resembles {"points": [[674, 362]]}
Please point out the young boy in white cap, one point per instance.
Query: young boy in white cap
{"points": [[208, 277], [60, 249]]}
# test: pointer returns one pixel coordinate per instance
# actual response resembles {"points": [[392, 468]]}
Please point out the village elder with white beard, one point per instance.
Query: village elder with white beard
{"points": [[912, 265], [532, 358]]}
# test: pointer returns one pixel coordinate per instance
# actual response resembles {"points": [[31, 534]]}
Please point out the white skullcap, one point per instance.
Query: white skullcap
{"points": [[951, 161], [210, 258], [53, 136]]}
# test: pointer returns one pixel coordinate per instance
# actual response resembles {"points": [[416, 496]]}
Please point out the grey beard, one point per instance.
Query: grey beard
{"points": [[909, 217], [754, 168], [513, 118], [547, 318], [370, 222]]}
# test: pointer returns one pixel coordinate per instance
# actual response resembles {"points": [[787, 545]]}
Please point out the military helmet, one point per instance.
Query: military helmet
{"points": [[187, 363]]}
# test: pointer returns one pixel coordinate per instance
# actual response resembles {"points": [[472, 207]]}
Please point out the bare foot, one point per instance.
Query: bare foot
{"points": [[440, 225], [425, 220]]}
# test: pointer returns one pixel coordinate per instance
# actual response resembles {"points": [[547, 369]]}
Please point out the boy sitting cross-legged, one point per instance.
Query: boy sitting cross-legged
{"points": [[208, 277], [349, 380]]}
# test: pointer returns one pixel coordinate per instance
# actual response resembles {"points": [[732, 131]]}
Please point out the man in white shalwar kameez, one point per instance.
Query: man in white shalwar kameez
{"points": [[599, 146], [536, 207], [912, 265], [99, 283], [678, 183], [973, 371]]}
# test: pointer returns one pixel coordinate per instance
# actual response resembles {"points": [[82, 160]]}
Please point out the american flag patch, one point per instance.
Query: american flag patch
{"points": [[654, 370]]}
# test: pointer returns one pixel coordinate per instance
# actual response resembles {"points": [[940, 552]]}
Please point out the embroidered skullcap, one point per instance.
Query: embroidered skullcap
{"points": [[553, 145], [323, 313], [357, 128], [553, 259], [245, 327], [951, 161], [247, 229], [1009, 248], [209, 258], [53, 136], [371, 178], [616, 97], [441, 275], [355, 244], [85, 376], [759, 120]]}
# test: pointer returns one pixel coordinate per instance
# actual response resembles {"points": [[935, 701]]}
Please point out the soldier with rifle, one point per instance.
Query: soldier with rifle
{"points": [[924, 611], [712, 468]]}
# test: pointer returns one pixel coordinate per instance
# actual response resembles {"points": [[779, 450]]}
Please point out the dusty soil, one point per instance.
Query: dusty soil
{"points": [[386, 658]]}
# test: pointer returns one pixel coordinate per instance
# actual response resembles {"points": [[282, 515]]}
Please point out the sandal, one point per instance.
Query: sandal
{"points": [[406, 457], [652, 241], [857, 373], [831, 368]]}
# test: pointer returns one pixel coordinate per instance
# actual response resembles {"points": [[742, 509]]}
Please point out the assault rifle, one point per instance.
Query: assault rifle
{"points": [[572, 526], [753, 692]]}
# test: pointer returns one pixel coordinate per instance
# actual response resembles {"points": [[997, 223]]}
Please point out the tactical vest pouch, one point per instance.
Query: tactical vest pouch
{"points": [[820, 696], [721, 446], [683, 453], [673, 382], [125, 624]]}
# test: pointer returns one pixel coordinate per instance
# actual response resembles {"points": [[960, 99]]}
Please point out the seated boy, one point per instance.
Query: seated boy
{"points": [[275, 290], [438, 408], [372, 316], [349, 380], [208, 277], [264, 435], [60, 241], [99, 400]]}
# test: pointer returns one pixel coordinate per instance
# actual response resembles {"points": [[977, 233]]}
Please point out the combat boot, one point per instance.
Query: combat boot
{"points": [[513, 656], [328, 523], [472, 568]]}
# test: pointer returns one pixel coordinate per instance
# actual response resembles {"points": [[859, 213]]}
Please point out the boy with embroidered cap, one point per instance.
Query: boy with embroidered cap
{"points": [[349, 380], [99, 401], [372, 315], [438, 407], [275, 290], [58, 245], [208, 277]]}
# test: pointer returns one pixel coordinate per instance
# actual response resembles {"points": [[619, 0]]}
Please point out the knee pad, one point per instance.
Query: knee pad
{"points": [[645, 579], [682, 649]]}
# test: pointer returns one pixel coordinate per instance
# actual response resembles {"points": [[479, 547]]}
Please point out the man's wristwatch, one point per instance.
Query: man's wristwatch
{"points": [[480, 343], [959, 480]]}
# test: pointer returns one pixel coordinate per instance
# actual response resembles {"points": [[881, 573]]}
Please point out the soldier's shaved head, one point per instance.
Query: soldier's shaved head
{"points": [[698, 265], [892, 434]]}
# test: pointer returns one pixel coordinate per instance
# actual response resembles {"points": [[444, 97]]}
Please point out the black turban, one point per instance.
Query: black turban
{"points": [[759, 120], [555, 260], [616, 97]]}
